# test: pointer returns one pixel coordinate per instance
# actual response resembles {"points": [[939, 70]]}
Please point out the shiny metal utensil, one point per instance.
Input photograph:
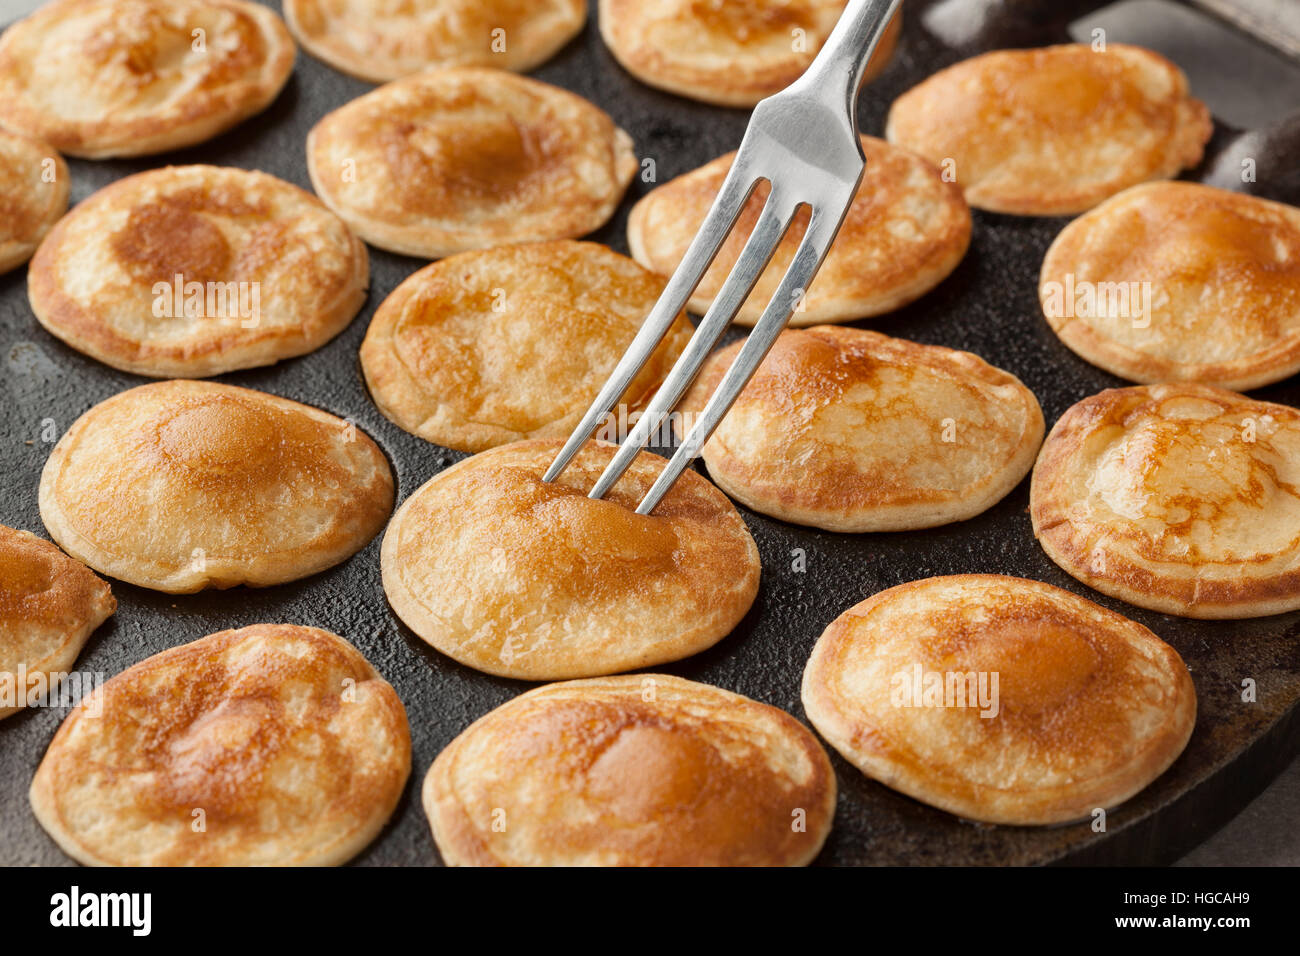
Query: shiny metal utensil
{"points": [[804, 142]]}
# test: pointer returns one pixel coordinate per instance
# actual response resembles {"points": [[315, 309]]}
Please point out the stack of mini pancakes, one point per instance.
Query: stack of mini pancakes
{"points": [[280, 744]]}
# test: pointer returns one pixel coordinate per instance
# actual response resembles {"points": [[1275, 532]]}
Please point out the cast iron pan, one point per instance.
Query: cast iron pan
{"points": [[988, 306]]}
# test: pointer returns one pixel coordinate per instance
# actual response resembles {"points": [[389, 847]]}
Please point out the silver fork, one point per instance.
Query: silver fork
{"points": [[804, 142]]}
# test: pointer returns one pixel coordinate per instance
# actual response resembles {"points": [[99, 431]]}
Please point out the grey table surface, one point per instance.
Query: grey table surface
{"points": [[1263, 834]]}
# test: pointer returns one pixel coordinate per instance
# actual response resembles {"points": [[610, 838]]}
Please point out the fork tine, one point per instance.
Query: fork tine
{"points": [[772, 224], [732, 196], [807, 260]]}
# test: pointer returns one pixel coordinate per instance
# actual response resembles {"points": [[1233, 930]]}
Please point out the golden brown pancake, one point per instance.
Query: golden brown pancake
{"points": [[999, 699], [191, 271], [271, 745], [457, 159], [522, 578], [641, 770], [381, 40], [732, 54], [101, 78], [905, 231], [1053, 131], [494, 346], [1180, 498], [851, 430], [33, 195], [49, 606], [1180, 282], [179, 486]]}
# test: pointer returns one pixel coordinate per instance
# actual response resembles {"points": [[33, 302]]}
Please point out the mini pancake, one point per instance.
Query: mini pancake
{"points": [[458, 159], [1180, 498], [271, 745], [33, 195], [999, 699], [1188, 283], [49, 607], [1054, 131], [381, 41], [494, 346], [523, 578], [179, 486], [641, 770], [101, 78], [851, 430], [904, 233], [191, 271], [732, 54]]}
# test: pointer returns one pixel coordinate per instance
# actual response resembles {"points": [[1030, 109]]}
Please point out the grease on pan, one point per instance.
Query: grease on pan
{"points": [[463, 158], [281, 740], [191, 271], [104, 78]]}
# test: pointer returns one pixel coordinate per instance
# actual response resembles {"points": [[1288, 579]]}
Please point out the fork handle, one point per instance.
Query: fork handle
{"points": [[837, 69]]}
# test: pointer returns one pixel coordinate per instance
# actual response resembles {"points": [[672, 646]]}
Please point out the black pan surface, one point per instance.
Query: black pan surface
{"points": [[988, 306]]}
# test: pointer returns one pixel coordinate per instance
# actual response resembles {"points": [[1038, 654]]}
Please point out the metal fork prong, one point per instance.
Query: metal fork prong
{"points": [[723, 213], [759, 248], [807, 259]]}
